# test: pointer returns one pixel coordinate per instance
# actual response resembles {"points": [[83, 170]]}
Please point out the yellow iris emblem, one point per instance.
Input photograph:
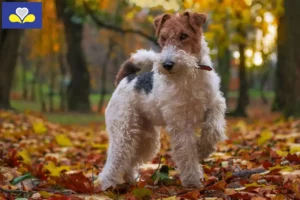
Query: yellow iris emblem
{"points": [[22, 16]]}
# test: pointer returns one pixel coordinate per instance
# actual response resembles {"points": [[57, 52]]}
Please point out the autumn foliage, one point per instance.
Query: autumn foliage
{"points": [[43, 160]]}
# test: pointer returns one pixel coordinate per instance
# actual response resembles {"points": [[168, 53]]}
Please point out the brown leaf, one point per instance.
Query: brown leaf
{"points": [[217, 186], [193, 195], [76, 182]]}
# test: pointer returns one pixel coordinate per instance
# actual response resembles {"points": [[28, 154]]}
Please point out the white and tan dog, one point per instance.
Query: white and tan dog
{"points": [[177, 94]]}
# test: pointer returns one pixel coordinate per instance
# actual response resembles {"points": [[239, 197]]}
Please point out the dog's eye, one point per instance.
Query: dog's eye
{"points": [[183, 36], [163, 38]]}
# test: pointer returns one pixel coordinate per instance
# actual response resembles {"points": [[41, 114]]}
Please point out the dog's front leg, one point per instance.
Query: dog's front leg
{"points": [[184, 153], [213, 129]]}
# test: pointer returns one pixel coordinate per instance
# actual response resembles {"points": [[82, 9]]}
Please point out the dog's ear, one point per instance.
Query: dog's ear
{"points": [[159, 21], [196, 20]]}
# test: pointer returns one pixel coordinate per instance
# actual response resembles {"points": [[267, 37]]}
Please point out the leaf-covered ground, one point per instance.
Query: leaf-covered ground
{"points": [[42, 160]]}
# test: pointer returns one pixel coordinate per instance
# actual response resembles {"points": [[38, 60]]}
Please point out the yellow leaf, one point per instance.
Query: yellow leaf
{"points": [[264, 137], [25, 156], [55, 171], [39, 128], [44, 194], [282, 153], [295, 149], [63, 140], [282, 168], [259, 185], [99, 146], [241, 126]]}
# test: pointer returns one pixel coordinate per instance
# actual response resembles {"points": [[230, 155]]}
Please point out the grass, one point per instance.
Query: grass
{"points": [[62, 117], [74, 118], [85, 119], [253, 94]]}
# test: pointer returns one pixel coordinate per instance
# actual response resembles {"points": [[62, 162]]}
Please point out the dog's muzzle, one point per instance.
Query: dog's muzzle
{"points": [[168, 65]]}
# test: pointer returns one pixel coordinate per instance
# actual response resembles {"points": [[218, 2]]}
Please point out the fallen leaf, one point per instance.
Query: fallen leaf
{"points": [[54, 170], [25, 156], [294, 149], [142, 193], [264, 137], [63, 140], [39, 127]]}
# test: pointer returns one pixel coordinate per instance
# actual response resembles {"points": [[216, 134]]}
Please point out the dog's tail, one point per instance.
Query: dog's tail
{"points": [[137, 61]]}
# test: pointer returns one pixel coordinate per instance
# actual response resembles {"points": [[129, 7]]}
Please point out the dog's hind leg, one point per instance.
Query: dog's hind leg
{"points": [[124, 139], [147, 148]]}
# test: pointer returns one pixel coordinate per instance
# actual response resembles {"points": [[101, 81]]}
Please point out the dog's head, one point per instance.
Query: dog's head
{"points": [[179, 37]]}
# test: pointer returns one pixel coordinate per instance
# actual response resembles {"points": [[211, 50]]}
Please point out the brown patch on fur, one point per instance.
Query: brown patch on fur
{"points": [[159, 21], [182, 31], [127, 68]]}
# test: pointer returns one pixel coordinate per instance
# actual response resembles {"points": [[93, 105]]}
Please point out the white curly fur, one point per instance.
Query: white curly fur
{"points": [[182, 101]]}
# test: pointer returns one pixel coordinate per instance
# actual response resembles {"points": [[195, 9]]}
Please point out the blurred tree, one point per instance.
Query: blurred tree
{"points": [[9, 44], [239, 27], [281, 73], [106, 61], [116, 25], [288, 67], [79, 89], [25, 65], [243, 98]]}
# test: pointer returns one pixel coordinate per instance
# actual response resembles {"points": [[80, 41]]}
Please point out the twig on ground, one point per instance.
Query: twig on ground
{"points": [[14, 191], [248, 172]]}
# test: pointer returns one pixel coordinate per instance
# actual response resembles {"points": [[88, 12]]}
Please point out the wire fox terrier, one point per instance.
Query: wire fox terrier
{"points": [[181, 93]]}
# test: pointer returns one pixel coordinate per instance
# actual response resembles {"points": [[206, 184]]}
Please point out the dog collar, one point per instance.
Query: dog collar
{"points": [[204, 67]]}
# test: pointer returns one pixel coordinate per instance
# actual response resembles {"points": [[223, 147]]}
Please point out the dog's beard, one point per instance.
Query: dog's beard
{"points": [[184, 63]]}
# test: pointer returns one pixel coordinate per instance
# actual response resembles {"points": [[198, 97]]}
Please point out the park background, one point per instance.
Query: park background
{"points": [[70, 64], [58, 80]]}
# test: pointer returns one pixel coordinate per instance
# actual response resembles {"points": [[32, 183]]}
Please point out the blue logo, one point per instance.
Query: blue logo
{"points": [[21, 15]]}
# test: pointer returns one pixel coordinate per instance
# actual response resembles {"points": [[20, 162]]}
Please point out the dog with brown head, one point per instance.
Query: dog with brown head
{"points": [[175, 95], [178, 35], [182, 31], [180, 39]]}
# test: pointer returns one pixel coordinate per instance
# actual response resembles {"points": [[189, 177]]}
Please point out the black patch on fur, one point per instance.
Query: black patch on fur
{"points": [[144, 82], [130, 77]]}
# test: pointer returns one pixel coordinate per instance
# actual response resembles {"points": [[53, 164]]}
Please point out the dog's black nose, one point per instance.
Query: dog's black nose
{"points": [[168, 65]]}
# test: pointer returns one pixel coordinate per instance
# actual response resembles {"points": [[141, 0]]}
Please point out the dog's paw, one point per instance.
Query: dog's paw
{"points": [[195, 183], [107, 182], [192, 178], [205, 151]]}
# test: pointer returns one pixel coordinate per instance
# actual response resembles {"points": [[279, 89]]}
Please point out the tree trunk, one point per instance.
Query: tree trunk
{"points": [[34, 79], [243, 98], [41, 97], [51, 88], [9, 44], [25, 66], [281, 75], [104, 75], [79, 89], [224, 70], [288, 72], [62, 91]]}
